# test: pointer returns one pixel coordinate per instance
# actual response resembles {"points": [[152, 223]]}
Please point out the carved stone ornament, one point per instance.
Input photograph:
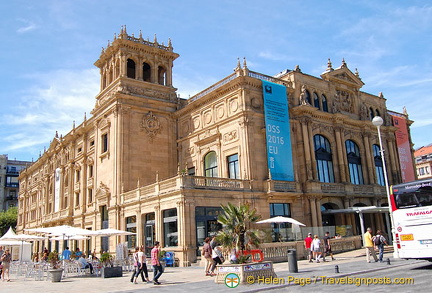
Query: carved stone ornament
{"points": [[103, 191], [342, 102], [151, 124], [230, 136]]}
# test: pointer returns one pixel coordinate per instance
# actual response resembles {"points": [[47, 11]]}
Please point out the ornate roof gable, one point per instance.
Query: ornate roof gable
{"points": [[343, 75]]}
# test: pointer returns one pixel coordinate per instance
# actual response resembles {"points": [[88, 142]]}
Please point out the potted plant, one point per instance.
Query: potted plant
{"points": [[108, 269], [237, 237], [162, 255], [106, 259], [56, 270]]}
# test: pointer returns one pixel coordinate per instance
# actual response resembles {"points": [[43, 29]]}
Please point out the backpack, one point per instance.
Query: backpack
{"points": [[377, 240]]}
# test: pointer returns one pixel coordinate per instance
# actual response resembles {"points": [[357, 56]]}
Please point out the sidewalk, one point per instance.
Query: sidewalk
{"points": [[192, 278]]}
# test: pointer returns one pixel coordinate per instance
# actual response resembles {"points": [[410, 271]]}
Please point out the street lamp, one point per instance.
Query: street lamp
{"points": [[378, 122]]}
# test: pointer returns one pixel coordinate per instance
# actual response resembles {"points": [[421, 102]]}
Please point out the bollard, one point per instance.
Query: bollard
{"points": [[292, 261], [336, 269], [388, 261]]}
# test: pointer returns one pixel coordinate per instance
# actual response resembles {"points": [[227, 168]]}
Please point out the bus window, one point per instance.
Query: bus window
{"points": [[406, 200], [424, 196]]}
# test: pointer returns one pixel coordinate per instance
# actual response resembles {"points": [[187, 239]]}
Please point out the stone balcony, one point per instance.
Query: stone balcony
{"points": [[271, 187], [344, 189]]}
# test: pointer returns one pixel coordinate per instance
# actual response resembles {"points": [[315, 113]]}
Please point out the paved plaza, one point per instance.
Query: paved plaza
{"points": [[192, 279]]}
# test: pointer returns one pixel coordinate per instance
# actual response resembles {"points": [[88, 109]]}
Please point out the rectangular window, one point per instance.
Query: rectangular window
{"points": [[90, 195], [131, 227], [281, 231], [191, 171], [90, 171], [77, 199], [170, 227], [104, 145], [233, 167], [77, 176]]}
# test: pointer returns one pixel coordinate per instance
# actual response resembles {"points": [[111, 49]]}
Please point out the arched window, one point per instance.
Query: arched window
{"points": [[324, 160], [324, 103], [316, 101], [308, 97], [328, 219], [379, 170], [130, 68], [371, 113], [210, 165], [377, 113], [354, 162], [117, 70], [146, 72], [161, 75]]}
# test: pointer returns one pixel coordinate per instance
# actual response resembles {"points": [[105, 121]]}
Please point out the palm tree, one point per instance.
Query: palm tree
{"points": [[236, 232]]}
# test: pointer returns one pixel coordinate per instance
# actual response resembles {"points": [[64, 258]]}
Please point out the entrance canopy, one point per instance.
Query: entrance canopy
{"points": [[363, 210], [367, 210]]}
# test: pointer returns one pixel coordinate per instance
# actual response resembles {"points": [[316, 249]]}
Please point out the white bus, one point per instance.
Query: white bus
{"points": [[411, 205]]}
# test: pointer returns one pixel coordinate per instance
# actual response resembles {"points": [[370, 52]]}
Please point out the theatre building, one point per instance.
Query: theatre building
{"points": [[149, 162]]}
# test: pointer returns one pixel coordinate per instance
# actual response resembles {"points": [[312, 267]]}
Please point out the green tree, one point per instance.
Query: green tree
{"points": [[236, 232], [8, 219]]}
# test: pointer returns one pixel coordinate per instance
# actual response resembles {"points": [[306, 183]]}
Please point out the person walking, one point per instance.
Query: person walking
{"points": [[207, 253], [157, 267], [218, 259], [6, 259], [307, 244], [141, 266], [369, 245], [379, 242], [327, 246], [316, 248]]}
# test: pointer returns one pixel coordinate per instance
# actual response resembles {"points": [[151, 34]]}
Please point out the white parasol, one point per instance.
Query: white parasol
{"points": [[111, 232], [11, 236], [280, 219]]}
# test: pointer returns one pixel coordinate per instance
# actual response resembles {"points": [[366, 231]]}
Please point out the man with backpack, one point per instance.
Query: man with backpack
{"points": [[379, 242]]}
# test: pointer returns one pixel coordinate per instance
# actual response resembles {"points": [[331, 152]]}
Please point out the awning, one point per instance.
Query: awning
{"points": [[352, 210]]}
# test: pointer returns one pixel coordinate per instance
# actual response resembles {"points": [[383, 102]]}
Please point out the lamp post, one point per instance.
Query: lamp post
{"points": [[378, 122]]}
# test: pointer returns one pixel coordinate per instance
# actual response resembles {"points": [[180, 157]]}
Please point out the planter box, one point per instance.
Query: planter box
{"points": [[111, 272], [56, 274], [256, 270]]}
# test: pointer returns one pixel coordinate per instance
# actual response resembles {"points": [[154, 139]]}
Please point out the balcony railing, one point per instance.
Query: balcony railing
{"points": [[14, 185], [215, 183]]}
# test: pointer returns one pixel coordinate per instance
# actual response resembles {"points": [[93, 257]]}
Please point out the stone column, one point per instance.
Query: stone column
{"points": [[318, 211], [341, 159], [139, 226], [307, 149], [159, 225], [370, 163], [244, 157], [313, 207]]}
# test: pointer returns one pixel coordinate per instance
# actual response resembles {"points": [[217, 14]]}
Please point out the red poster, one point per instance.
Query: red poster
{"points": [[404, 149]]}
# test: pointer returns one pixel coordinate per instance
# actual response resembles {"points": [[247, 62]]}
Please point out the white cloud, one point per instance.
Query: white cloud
{"points": [[29, 26], [56, 100]]}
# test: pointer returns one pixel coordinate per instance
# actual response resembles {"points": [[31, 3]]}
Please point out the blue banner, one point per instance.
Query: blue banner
{"points": [[279, 152]]}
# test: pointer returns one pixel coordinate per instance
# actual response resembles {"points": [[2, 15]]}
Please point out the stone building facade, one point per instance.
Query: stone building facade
{"points": [[423, 162], [152, 163], [9, 186]]}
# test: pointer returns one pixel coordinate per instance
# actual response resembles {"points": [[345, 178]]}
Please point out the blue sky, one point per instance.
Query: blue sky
{"points": [[48, 48]]}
